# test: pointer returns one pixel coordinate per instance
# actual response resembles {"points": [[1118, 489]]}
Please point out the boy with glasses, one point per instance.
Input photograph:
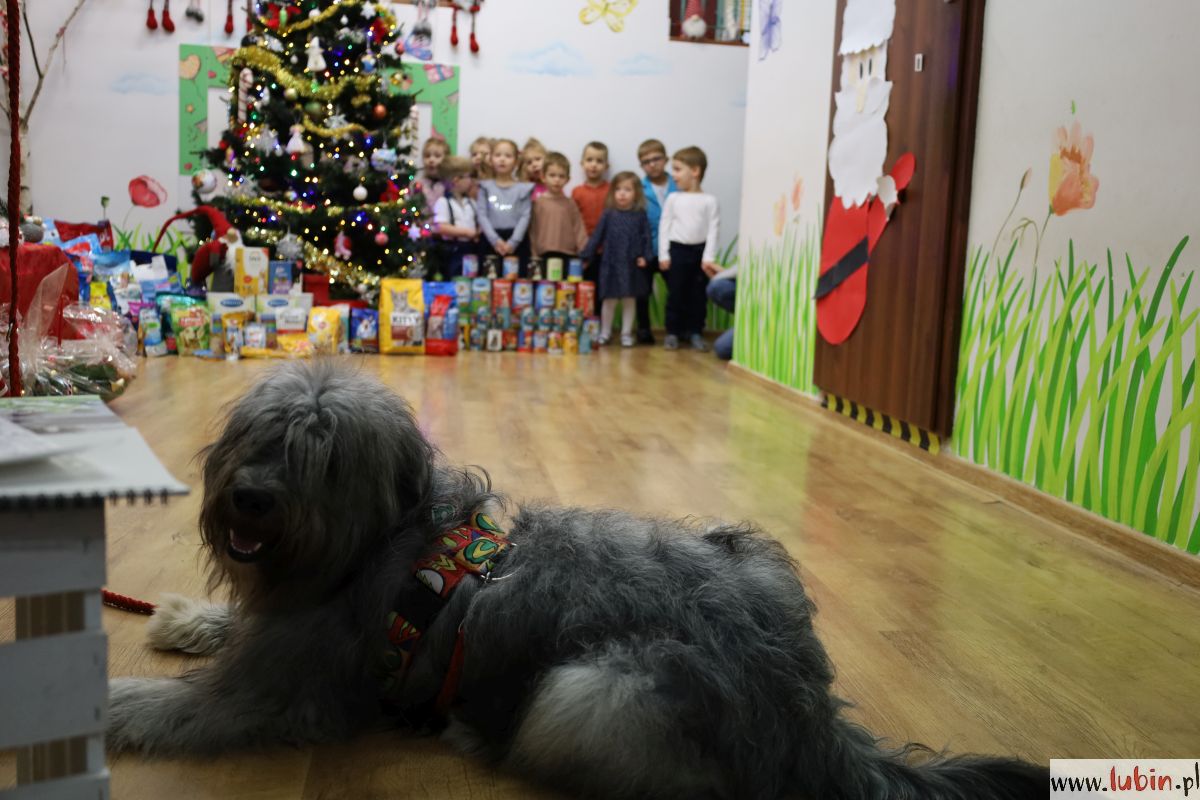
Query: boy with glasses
{"points": [[657, 184]]}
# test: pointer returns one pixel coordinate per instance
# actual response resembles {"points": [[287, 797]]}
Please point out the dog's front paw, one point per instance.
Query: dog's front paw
{"points": [[193, 626], [137, 713]]}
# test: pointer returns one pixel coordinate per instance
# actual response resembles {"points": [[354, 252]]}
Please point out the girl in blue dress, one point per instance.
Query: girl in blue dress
{"points": [[623, 239]]}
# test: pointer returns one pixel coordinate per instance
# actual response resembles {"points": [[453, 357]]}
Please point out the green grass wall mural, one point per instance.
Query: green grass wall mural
{"points": [[775, 323], [1080, 378]]}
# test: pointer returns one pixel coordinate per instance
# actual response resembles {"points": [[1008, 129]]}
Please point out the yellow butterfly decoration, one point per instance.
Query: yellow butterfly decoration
{"points": [[613, 12]]}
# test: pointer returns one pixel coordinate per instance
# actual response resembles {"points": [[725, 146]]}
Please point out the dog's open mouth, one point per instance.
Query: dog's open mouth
{"points": [[244, 548]]}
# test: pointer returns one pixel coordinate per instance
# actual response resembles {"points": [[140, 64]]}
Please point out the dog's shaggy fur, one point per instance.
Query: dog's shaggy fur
{"points": [[618, 656]]}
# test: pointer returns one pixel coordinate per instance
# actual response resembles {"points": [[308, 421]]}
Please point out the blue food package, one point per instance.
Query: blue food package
{"points": [[544, 294], [434, 288], [364, 330], [462, 288], [280, 277]]}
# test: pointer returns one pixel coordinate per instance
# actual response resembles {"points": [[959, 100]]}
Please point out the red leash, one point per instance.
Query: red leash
{"points": [[125, 603]]}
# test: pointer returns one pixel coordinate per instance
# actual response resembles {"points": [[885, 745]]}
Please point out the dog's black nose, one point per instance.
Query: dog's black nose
{"points": [[253, 502]]}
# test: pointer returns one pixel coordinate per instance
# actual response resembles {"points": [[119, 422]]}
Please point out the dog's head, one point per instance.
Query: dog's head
{"points": [[314, 466]]}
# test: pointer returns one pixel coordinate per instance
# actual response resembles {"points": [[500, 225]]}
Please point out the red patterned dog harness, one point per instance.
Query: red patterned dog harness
{"points": [[470, 550]]}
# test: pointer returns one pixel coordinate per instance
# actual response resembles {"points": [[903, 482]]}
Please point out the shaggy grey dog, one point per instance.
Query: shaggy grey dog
{"points": [[610, 655]]}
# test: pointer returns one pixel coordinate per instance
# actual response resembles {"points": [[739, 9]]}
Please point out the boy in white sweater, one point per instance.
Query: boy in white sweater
{"points": [[687, 245]]}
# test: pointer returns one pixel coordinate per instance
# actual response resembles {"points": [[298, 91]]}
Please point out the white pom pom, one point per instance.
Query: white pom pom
{"points": [[694, 27]]}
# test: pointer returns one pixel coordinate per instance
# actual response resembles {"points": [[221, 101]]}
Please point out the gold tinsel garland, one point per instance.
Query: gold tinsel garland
{"points": [[266, 61], [333, 133], [337, 8], [290, 208], [319, 259]]}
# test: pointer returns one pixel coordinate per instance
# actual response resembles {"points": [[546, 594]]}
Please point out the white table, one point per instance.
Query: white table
{"points": [[53, 676]]}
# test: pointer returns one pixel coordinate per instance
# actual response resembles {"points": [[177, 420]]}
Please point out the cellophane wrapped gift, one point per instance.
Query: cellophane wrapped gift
{"points": [[96, 354]]}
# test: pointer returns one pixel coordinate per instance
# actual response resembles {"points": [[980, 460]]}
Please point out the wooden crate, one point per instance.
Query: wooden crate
{"points": [[53, 676]]}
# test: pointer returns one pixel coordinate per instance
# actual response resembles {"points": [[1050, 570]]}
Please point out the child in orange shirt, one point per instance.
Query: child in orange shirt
{"points": [[590, 197], [591, 194]]}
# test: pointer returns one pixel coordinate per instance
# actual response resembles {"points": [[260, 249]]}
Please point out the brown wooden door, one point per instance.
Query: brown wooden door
{"points": [[902, 357]]}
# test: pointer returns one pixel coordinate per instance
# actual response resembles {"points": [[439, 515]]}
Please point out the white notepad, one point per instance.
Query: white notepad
{"points": [[97, 456]]}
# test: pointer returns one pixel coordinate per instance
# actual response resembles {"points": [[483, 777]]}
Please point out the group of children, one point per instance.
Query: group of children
{"points": [[505, 200]]}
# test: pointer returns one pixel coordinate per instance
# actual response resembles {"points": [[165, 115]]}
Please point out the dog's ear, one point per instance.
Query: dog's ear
{"points": [[379, 455], [414, 465]]}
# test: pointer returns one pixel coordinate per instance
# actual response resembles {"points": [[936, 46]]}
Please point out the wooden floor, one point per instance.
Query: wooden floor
{"points": [[954, 618]]}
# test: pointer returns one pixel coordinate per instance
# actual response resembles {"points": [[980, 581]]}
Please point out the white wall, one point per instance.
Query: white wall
{"points": [[109, 107], [1127, 71], [787, 118]]}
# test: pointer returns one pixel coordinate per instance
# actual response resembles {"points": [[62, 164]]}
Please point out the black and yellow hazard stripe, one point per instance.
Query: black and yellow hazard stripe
{"points": [[883, 422]]}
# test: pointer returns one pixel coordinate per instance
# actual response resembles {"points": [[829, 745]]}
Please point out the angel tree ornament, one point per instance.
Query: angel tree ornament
{"points": [[864, 197], [316, 58], [296, 145]]}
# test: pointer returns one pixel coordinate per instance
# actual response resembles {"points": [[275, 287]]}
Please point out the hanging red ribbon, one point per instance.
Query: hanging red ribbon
{"points": [[14, 188]]}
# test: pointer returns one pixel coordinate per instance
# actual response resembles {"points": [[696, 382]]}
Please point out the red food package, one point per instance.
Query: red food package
{"points": [[441, 338], [71, 230], [585, 296], [502, 294]]}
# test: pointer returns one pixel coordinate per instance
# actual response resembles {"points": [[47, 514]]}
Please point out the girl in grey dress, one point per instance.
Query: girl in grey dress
{"points": [[504, 207]]}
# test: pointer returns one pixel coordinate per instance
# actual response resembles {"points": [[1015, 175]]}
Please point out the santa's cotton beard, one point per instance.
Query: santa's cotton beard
{"points": [[859, 142]]}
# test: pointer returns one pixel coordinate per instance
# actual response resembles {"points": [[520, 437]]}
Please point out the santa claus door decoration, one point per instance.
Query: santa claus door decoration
{"points": [[864, 195]]}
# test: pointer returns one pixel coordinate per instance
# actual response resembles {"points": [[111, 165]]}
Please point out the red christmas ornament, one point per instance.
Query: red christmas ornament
{"points": [[380, 111], [381, 238], [151, 20]]}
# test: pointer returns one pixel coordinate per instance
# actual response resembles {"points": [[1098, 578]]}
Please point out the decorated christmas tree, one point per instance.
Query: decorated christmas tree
{"points": [[315, 160]]}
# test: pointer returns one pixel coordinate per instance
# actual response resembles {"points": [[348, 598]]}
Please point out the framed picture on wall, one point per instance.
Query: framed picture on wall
{"points": [[711, 21]]}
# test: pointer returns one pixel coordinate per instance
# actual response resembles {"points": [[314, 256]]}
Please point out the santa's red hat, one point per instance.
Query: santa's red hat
{"points": [[212, 252], [694, 25], [220, 225]]}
